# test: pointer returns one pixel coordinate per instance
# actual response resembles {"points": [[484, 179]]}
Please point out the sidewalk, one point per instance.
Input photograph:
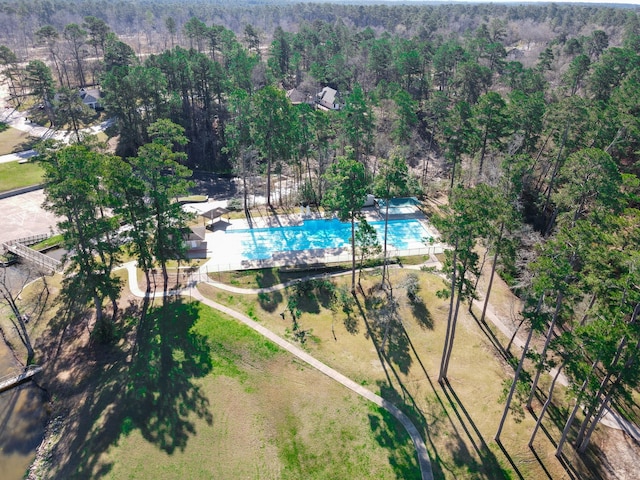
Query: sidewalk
{"points": [[418, 442], [16, 157], [17, 120]]}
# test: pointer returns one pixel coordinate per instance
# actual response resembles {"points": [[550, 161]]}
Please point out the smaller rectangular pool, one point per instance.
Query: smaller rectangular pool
{"points": [[262, 243]]}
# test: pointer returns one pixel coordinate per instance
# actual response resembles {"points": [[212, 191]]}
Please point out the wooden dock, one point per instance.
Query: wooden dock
{"points": [[14, 380]]}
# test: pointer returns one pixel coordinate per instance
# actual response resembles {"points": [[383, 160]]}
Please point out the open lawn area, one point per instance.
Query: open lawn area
{"points": [[205, 397], [17, 175], [13, 140], [189, 393], [400, 361]]}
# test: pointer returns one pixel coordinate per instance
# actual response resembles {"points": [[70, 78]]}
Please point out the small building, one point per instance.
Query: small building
{"points": [[297, 97], [328, 99], [91, 98], [369, 201], [196, 244]]}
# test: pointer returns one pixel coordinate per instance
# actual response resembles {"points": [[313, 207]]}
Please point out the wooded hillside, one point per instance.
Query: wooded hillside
{"points": [[525, 117]]}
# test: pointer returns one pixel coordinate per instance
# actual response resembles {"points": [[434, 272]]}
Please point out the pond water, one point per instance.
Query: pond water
{"points": [[22, 421], [23, 414]]}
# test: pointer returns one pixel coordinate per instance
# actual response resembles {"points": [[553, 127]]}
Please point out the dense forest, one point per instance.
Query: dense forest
{"points": [[524, 117]]}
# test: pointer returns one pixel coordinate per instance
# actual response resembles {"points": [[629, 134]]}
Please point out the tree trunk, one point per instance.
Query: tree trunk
{"points": [[99, 315], [582, 446], [514, 385], [443, 375], [546, 404], [453, 176], [21, 327], [483, 151], [385, 272], [148, 279], [493, 271], [547, 340], [269, 180], [576, 407], [601, 389], [353, 255], [455, 318], [165, 278], [628, 364], [515, 334], [556, 169]]}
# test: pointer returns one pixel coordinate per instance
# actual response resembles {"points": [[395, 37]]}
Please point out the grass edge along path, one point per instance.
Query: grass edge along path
{"points": [[418, 442]]}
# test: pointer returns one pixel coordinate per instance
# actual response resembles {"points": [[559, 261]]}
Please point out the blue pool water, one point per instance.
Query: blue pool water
{"points": [[261, 243]]}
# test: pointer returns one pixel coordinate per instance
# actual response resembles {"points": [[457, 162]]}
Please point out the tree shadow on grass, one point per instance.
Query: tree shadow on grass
{"points": [[266, 278], [160, 391], [421, 313], [488, 466], [385, 328], [269, 301], [391, 436], [150, 389]]}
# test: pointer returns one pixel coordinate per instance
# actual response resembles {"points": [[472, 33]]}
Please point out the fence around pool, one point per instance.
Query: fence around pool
{"points": [[315, 258]]}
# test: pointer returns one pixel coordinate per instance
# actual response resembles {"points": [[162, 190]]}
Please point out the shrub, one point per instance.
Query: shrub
{"points": [[412, 284], [235, 204]]}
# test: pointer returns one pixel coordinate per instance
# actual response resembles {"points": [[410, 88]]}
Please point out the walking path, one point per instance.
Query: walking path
{"points": [[610, 418], [418, 442], [17, 120], [19, 156]]}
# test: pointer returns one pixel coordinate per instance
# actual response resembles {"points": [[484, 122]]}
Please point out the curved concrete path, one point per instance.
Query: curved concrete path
{"points": [[610, 418], [418, 442]]}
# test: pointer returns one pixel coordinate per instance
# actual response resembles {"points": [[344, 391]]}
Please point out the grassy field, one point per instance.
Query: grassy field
{"points": [[13, 140], [206, 397], [17, 175], [194, 394], [52, 241], [457, 420]]}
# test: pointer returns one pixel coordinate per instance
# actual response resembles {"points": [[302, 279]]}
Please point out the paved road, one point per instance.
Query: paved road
{"points": [[17, 120], [421, 449]]}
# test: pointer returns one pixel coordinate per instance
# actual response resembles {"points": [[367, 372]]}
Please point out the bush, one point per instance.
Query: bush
{"points": [[412, 284], [3, 126], [306, 194], [235, 204]]}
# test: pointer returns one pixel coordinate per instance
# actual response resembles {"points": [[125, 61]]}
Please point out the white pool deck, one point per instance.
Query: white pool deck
{"points": [[224, 253]]}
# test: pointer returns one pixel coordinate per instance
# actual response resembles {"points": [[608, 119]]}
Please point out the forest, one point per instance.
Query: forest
{"points": [[523, 119]]}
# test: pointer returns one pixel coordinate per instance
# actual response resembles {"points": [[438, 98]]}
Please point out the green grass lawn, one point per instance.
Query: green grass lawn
{"points": [[17, 175], [13, 140], [206, 397], [457, 422], [52, 241]]}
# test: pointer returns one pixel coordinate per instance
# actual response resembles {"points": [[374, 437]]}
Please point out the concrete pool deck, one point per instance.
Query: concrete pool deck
{"points": [[223, 253]]}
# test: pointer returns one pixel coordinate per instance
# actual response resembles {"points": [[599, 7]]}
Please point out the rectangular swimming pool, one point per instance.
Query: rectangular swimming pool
{"points": [[262, 243]]}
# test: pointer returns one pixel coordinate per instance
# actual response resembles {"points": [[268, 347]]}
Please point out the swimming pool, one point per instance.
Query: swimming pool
{"points": [[262, 243], [398, 206]]}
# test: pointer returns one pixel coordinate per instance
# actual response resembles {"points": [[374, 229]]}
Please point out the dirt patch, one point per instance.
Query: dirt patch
{"points": [[618, 454]]}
